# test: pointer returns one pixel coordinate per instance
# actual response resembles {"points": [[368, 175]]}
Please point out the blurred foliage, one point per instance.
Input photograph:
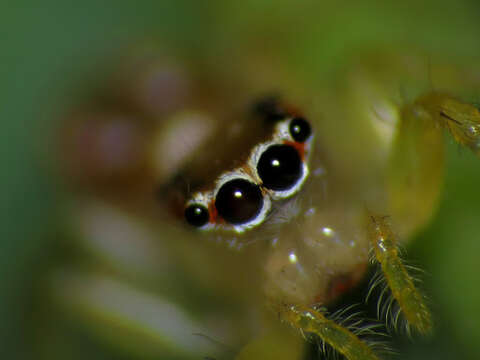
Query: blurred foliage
{"points": [[53, 51]]}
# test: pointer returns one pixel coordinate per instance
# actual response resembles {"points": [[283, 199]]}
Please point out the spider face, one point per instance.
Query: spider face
{"points": [[275, 169], [314, 208]]}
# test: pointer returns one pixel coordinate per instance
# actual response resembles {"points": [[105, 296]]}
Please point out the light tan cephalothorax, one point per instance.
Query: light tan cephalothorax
{"points": [[320, 231]]}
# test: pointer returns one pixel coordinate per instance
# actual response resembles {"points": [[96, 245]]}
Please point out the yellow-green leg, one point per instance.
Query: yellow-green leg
{"points": [[308, 320], [410, 300], [461, 119]]}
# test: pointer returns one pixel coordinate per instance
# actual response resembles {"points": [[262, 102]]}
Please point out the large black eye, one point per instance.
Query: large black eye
{"points": [[239, 201], [280, 167], [197, 215], [300, 129]]}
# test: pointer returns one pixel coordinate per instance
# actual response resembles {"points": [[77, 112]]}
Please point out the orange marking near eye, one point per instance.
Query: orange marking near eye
{"points": [[297, 146], [214, 217], [292, 110]]}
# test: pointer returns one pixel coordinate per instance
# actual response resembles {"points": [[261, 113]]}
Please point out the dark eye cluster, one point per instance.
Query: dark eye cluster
{"points": [[280, 168]]}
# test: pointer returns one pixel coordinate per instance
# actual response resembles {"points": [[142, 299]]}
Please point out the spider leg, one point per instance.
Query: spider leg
{"points": [[402, 285], [309, 320], [417, 159], [461, 119], [416, 169]]}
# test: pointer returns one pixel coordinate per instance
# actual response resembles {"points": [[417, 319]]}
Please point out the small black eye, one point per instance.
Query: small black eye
{"points": [[197, 215], [280, 167], [239, 201], [300, 129]]}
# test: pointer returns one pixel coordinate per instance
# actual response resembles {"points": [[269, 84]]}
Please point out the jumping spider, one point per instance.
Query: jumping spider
{"points": [[311, 194], [335, 233]]}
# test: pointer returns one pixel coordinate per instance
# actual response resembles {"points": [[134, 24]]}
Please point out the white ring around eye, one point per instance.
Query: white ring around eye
{"points": [[285, 194], [276, 194], [202, 198], [281, 131], [280, 136], [262, 215]]}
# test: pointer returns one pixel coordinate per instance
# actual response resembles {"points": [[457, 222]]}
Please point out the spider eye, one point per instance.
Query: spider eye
{"points": [[197, 215], [300, 129], [239, 201], [280, 167]]}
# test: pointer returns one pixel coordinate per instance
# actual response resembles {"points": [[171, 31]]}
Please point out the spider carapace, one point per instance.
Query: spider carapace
{"points": [[272, 179]]}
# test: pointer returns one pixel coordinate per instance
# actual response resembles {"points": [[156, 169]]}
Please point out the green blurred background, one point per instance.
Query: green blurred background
{"points": [[52, 51]]}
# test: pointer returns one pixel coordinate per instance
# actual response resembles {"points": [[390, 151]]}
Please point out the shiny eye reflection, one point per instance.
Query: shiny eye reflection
{"points": [[197, 215], [239, 201], [280, 167], [276, 168], [300, 129]]}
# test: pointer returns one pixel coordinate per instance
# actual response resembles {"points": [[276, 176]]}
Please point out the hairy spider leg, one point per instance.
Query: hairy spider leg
{"points": [[461, 119], [410, 300], [308, 320]]}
